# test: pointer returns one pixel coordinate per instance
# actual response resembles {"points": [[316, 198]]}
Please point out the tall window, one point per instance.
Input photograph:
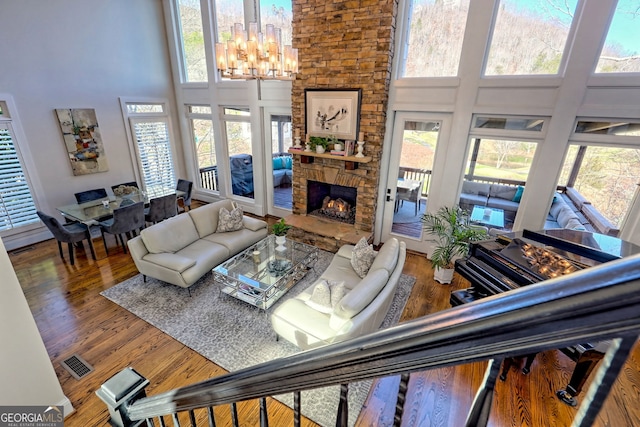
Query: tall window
{"points": [[228, 12], [529, 38], [204, 143], [237, 127], [603, 173], [281, 135], [435, 38], [621, 51], [17, 207], [192, 38], [150, 133]]}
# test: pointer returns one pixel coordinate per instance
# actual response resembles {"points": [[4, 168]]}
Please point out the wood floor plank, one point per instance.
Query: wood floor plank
{"points": [[73, 318]]}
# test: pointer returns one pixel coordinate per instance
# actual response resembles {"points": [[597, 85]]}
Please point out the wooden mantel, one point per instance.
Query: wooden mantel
{"points": [[351, 162]]}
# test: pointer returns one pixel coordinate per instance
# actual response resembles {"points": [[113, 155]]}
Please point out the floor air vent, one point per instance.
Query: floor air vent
{"points": [[77, 366]]}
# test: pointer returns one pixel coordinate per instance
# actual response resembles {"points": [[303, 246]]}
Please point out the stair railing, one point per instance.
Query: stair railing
{"points": [[592, 305]]}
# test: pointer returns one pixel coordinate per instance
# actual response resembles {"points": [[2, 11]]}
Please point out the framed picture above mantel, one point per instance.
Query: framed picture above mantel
{"points": [[333, 112]]}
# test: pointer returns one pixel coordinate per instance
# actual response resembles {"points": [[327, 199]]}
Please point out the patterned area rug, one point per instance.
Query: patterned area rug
{"points": [[235, 335]]}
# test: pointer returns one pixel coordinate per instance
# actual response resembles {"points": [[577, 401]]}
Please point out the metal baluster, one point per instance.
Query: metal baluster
{"points": [[296, 409], [402, 395], [150, 422], [162, 424], [264, 417], [606, 375], [234, 415], [192, 418], [481, 408], [343, 406], [212, 418], [176, 421]]}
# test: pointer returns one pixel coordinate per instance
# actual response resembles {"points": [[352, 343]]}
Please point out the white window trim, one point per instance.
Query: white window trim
{"points": [[133, 146]]}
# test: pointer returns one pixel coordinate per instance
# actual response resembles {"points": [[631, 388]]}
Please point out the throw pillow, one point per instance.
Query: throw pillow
{"points": [[320, 299], [362, 257], [518, 196], [230, 221], [326, 295]]}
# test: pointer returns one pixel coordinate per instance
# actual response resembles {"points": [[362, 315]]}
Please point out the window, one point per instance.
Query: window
{"points": [[192, 38], [278, 15], [204, 143], [529, 38], [151, 142], [621, 50], [17, 207], [281, 137], [495, 177], [601, 173], [435, 38], [237, 128], [228, 12]]}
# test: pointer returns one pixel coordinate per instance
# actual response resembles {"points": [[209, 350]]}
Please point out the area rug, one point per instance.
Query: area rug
{"points": [[235, 335]]}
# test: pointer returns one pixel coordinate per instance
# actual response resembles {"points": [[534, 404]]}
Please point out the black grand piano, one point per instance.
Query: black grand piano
{"points": [[522, 258]]}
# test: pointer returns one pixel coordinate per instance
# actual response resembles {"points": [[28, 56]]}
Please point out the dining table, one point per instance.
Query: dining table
{"points": [[92, 212]]}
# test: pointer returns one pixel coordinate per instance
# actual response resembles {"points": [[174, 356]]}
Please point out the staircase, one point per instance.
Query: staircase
{"points": [[595, 304]]}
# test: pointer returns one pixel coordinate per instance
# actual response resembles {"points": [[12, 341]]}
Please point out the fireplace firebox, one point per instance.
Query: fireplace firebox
{"points": [[331, 201]]}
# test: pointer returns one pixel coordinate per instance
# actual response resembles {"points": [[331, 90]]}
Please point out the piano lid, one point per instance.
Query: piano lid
{"points": [[583, 247]]}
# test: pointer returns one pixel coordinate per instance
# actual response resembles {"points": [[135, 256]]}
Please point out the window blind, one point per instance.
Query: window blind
{"points": [[16, 203], [154, 152]]}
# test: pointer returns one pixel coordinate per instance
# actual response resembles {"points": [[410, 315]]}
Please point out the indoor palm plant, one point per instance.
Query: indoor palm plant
{"points": [[452, 232]]}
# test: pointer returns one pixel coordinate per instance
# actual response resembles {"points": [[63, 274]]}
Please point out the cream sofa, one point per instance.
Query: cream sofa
{"points": [[360, 311], [182, 249]]}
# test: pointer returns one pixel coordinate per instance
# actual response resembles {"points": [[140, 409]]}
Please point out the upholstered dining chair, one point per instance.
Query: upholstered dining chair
{"points": [[67, 233], [186, 186], [412, 195], [90, 195], [126, 220], [161, 208]]}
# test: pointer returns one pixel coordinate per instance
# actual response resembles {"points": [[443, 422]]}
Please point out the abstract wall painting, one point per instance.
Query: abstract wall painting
{"points": [[82, 140], [333, 112]]}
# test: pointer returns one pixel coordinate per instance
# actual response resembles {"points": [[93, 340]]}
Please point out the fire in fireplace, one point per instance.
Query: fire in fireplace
{"points": [[331, 201]]}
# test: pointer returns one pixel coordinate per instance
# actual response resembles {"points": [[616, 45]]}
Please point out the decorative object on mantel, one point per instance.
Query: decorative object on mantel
{"points": [[296, 139], [82, 138], [360, 144], [332, 112], [256, 55], [318, 144], [307, 143]]}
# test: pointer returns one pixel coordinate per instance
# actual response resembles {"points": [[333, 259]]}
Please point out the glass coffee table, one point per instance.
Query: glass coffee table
{"points": [[261, 274]]}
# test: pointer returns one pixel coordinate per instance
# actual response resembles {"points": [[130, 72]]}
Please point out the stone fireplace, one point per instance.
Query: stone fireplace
{"points": [[342, 45]]}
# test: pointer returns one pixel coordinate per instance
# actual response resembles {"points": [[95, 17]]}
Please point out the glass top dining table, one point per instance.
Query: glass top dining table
{"points": [[95, 210]]}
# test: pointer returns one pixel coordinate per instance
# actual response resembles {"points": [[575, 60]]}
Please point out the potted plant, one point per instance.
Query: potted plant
{"points": [[452, 233], [319, 144], [280, 229]]}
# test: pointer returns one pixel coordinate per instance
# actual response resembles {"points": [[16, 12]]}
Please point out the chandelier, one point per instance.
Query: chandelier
{"points": [[256, 55]]}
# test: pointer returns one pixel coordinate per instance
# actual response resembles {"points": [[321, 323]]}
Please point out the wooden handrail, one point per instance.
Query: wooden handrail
{"points": [[591, 305]]}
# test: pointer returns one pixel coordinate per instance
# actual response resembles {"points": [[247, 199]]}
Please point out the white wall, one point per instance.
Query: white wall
{"points": [[81, 54], [26, 374]]}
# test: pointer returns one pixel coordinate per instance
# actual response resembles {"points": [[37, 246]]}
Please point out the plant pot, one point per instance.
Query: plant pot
{"points": [[280, 241], [443, 275], [319, 149]]}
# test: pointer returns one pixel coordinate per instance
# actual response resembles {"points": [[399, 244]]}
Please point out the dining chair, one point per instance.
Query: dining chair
{"points": [[186, 186], [414, 195], [126, 220], [161, 208], [90, 195], [71, 233], [127, 184]]}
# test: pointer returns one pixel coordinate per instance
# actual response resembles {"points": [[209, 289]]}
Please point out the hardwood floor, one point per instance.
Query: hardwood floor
{"points": [[73, 318]]}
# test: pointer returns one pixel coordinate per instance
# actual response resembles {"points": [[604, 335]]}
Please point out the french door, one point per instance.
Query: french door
{"points": [[416, 145], [278, 138]]}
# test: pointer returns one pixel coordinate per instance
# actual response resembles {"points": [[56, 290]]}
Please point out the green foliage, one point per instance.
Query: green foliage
{"points": [[280, 228], [453, 232], [314, 141]]}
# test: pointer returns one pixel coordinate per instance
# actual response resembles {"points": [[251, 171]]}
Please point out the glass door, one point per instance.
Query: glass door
{"points": [[410, 170], [279, 171]]}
